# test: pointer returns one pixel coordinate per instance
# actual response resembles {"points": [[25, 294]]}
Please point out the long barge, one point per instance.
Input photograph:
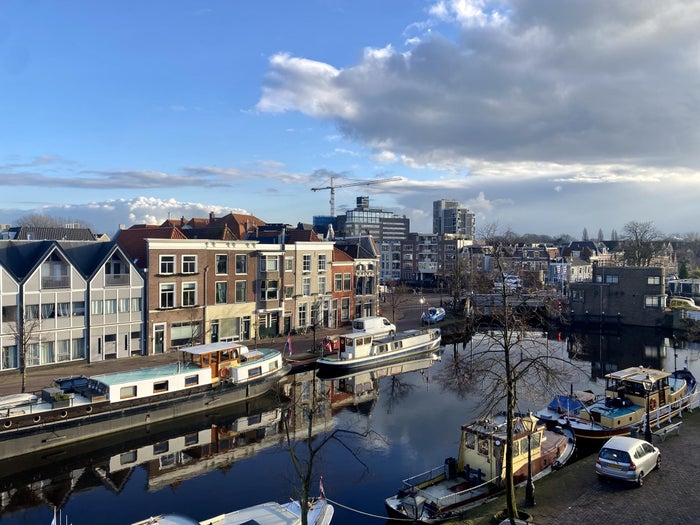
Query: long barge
{"points": [[81, 407]]}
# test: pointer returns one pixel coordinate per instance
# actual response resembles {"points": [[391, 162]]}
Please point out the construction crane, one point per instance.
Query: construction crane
{"points": [[332, 187]]}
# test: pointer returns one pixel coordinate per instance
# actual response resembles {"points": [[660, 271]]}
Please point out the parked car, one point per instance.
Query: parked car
{"points": [[683, 303], [433, 315], [628, 459]]}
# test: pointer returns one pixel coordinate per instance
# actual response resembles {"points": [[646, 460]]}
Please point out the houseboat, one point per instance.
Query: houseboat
{"points": [[478, 474], [80, 407], [623, 408], [365, 350]]}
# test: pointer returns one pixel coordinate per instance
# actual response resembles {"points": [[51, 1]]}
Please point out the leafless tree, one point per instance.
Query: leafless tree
{"points": [[509, 357], [395, 298], [306, 434], [640, 244], [25, 333], [41, 220]]}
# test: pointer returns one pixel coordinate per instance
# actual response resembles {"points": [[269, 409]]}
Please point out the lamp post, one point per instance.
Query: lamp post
{"points": [[648, 385], [422, 302], [529, 423]]}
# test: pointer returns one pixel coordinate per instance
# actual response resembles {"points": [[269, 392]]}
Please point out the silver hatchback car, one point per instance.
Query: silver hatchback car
{"points": [[627, 458]]}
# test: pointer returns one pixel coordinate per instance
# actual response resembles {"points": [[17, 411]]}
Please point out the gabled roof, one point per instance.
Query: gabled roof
{"points": [[20, 257], [40, 233], [214, 232], [240, 224], [340, 256], [362, 247], [133, 240]]}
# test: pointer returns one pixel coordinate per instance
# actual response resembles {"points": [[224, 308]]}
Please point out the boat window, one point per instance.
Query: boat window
{"points": [[161, 448], [192, 380], [191, 439], [205, 360], [127, 457], [160, 386], [471, 441], [516, 448], [255, 371], [127, 392], [484, 447], [274, 365], [225, 355], [535, 440]]}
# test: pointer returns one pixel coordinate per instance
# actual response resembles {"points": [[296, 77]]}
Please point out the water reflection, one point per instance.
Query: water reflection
{"points": [[217, 462]]}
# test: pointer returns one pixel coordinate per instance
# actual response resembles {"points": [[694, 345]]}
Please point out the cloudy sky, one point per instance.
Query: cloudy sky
{"points": [[539, 116]]}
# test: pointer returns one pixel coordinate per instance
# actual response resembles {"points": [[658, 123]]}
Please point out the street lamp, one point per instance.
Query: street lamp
{"points": [[529, 422], [648, 385], [422, 302]]}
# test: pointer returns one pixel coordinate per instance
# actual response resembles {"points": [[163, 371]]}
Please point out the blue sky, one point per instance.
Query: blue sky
{"points": [[541, 117]]}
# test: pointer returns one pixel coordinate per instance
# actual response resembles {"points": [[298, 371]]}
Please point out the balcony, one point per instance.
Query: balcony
{"points": [[119, 279], [55, 282]]}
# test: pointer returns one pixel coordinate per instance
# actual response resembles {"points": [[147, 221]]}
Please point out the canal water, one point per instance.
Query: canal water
{"points": [[386, 425]]}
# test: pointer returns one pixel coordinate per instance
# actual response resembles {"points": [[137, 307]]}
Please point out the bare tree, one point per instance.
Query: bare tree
{"points": [[396, 297], [25, 334], [511, 357], [41, 220], [308, 411], [640, 243]]}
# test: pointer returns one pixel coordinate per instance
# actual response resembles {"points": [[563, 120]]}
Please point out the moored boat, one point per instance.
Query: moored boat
{"points": [[320, 512], [364, 350], [623, 408], [478, 473], [82, 407]]}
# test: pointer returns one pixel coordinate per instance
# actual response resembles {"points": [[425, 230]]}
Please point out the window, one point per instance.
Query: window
{"points": [[612, 279], [48, 311], [167, 295], [79, 308], [191, 380], [184, 333], [338, 282], [289, 291], [241, 264], [241, 291], [189, 264], [347, 282], [322, 263], [189, 294], [302, 315], [221, 264], [127, 392], [652, 301], [269, 263], [167, 264], [124, 305], [306, 286], [306, 263], [160, 386], [268, 290], [655, 279], [322, 285], [135, 304], [221, 292], [110, 306], [345, 309], [288, 264], [96, 307], [63, 310]]}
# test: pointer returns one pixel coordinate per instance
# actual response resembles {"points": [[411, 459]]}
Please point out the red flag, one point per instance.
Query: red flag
{"points": [[288, 344]]}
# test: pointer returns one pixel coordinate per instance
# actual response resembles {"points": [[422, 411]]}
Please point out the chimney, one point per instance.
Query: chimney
{"points": [[211, 217]]}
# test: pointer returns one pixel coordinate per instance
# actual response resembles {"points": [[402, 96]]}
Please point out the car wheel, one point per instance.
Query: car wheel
{"points": [[640, 479], [658, 463]]}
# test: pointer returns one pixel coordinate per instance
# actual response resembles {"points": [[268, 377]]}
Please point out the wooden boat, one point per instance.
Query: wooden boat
{"points": [[623, 409], [566, 405], [320, 513], [478, 473], [364, 350], [81, 407]]}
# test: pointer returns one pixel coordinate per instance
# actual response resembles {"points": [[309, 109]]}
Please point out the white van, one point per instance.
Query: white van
{"points": [[373, 325]]}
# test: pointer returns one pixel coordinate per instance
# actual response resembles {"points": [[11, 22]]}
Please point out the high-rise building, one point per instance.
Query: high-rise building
{"points": [[450, 218]]}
